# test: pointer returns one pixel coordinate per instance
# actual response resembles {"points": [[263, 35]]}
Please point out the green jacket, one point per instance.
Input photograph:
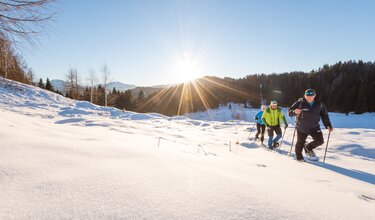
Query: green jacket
{"points": [[273, 117]]}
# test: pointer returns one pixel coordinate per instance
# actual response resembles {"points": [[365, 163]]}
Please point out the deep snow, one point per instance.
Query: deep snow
{"points": [[66, 159]]}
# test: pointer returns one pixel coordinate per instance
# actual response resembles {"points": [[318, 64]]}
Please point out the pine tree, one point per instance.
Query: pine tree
{"points": [[41, 84], [124, 101], [361, 106], [141, 96], [49, 85]]}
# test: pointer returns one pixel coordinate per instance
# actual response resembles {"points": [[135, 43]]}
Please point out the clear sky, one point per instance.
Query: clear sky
{"points": [[164, 42]]}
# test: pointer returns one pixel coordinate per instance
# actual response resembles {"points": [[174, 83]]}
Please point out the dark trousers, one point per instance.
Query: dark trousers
{"points": [[260, 130], [301, 140]]}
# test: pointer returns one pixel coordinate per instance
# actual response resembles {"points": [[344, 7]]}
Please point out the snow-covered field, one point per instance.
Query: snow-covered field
{"points": [[65, 159]]}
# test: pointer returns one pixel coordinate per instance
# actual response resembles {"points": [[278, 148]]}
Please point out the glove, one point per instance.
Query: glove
{"points": [[256, 118], [286, 126]]}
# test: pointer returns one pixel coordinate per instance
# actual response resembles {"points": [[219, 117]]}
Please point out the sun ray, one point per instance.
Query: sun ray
{"points": [[207, 90], [159, 95], [242, 93], [170, 98], [201, 96], [190, 99], [182, 96]]}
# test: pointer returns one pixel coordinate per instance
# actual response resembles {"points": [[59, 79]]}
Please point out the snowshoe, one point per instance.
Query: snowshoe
{"points": [[310, 154]]}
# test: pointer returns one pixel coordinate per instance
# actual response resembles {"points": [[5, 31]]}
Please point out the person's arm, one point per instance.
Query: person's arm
{"points": [[284, 120], [256, 117], [325, 117], [294, 107]]}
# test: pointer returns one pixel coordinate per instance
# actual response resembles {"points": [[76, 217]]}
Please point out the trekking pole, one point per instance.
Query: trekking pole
{"points": [[329, 134], [282, 139], [291, 147], [295, 128], [251, 131]]}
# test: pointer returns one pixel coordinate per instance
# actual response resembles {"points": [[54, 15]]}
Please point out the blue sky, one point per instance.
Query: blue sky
{"points": [[143, 42]]}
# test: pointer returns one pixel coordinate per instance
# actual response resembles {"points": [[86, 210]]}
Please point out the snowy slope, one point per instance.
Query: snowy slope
{"points": [[65, 159]]}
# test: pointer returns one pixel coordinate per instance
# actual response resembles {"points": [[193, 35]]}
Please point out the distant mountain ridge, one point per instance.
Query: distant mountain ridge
{"points": [[120, 86], [59, 84]]}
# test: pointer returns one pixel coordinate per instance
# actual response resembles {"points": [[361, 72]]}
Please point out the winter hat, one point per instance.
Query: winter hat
{"points": [[310, 92], [273, 102], [263, 107]]}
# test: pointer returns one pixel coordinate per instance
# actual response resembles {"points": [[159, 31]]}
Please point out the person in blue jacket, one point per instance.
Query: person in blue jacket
{"points": [[261, 127]]}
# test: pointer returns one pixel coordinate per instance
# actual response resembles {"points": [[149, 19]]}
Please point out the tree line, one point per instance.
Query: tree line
{"points": [[12, 66], [344, 87]]}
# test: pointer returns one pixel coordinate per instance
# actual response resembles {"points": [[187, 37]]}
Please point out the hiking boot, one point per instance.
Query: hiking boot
{"points": [[275, 144], [309, 152]]}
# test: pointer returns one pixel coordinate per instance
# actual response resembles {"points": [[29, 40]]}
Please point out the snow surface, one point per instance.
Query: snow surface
{"points": [[66, 159]]}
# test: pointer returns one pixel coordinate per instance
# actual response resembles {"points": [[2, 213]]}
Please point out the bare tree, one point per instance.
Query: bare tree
{"points": [[72, 83], [106, 74], [23, 19], [30, 75], [69, 82], [76, 82], [5, 56], [92, 79], [6, 63]]}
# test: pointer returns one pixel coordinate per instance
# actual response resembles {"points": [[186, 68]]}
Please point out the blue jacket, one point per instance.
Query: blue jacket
{"points": [[258, 117]]}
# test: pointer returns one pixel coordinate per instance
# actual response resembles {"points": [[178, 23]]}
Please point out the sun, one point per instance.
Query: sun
{"points": [[187, 69]]}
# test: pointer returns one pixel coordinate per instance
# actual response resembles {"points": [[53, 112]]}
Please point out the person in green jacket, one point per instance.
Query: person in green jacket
{"points": [[272, 118]]}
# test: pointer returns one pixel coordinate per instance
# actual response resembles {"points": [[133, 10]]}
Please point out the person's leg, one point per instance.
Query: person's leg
{"points": [[263, 128], [279, 134], [317, 140], [258, 131], [301, 139], [270, 137]]}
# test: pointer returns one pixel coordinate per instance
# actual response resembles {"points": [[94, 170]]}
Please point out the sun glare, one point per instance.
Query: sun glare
{"points": [[187, 69]]}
